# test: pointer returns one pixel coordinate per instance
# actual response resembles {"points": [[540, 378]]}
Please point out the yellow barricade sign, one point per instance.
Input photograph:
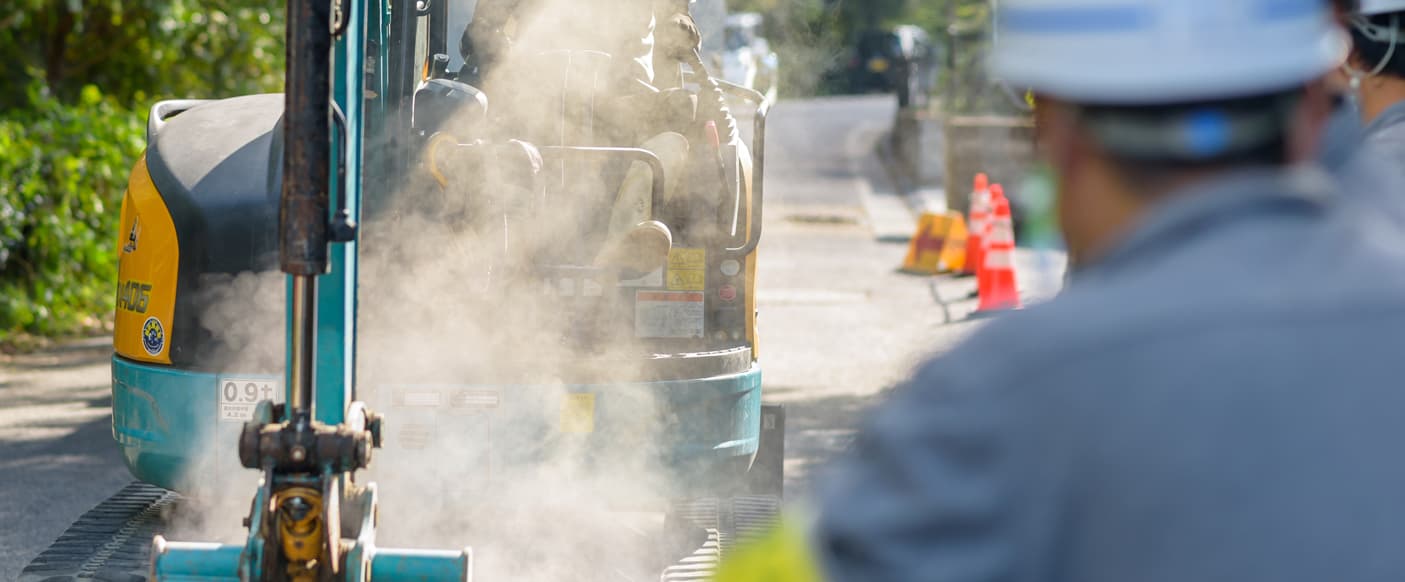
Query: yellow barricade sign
{"points": [[953, 257], [924, 253]]}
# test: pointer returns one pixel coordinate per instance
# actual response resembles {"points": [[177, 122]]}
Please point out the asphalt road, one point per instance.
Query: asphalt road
{"points": [[838, 325], [57, 458]]}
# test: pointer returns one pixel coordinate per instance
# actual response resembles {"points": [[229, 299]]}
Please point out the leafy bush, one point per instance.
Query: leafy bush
{"points": [[140, 51], [63, 169], [76, 80]]}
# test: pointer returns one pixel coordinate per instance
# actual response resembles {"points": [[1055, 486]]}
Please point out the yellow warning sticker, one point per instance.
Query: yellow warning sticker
{"points": [[687, 259], [687, 270], [687, 280], [578, 413]]}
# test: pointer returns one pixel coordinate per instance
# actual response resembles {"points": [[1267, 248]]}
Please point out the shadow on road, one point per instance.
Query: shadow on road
{"points": [[49, 483], [57, 457], [817, 430], [78, 449], [85, 352]]}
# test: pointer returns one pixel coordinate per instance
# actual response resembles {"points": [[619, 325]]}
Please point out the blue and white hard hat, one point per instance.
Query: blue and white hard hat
{"points": [[1145, 52]]}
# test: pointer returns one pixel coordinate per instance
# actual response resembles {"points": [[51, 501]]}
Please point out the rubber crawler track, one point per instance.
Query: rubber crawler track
{"points": [[109, 543], [728, 522], [112, 542]]}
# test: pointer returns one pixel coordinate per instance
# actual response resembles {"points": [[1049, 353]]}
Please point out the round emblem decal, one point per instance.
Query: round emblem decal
{"points": [[153, 336]]}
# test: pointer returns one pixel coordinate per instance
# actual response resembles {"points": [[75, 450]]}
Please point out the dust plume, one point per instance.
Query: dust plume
{"points": [[497, 328], [491, 304], [244, 319]]}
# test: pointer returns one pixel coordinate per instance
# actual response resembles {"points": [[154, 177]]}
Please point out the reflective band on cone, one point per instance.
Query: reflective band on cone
{"points": [[980, 222], [999, 260]]}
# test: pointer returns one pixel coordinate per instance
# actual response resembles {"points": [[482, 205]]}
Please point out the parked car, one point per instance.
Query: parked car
{"points": [[902, 60]]}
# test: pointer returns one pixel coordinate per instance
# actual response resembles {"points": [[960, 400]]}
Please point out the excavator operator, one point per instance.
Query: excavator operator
{"points": [[627, 29], [637, 98]]}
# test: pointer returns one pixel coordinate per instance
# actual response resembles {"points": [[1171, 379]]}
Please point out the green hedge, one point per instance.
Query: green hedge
{"points": [[63, 169]]}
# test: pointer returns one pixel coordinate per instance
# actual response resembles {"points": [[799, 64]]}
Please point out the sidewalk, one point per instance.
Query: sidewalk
{"points": [[895, 199]]}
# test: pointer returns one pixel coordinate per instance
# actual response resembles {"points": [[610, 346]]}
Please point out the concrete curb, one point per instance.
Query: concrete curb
{"points": [[889, 214], [918, 200], [1041, 273]]}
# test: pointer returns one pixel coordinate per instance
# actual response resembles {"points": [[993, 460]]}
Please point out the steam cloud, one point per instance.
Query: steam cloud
{"points": [[472, 357]]}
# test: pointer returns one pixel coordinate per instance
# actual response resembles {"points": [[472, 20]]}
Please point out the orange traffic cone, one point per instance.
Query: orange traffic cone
{"points": [[998, 289], [980, 215], [997, 192]]}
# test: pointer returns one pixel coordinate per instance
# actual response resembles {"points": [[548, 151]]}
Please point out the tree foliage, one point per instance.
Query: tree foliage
{"points": [[136, 50], [76, 79], [62, 172]]}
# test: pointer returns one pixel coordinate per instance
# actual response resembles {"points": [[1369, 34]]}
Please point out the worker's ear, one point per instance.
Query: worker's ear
{"points": [[1307, 121], [1355, 62], [1057, 138]]}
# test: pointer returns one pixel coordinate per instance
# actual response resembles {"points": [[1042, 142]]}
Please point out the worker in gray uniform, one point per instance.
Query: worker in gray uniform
{"points": [[1219, 398], [1373, 169], [1376, 67]]}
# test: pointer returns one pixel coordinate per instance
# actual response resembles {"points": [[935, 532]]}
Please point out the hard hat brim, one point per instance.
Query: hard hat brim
{"points": [[1142, 62]]}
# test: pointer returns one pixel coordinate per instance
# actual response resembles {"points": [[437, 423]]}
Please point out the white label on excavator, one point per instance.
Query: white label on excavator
{"points": [[237, 397], [592, 288], [654, 279], [664, 314]]}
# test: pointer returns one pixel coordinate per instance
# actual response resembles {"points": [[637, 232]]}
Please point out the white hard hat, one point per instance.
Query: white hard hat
{"points": [[1374, 7], [1163, 51]]}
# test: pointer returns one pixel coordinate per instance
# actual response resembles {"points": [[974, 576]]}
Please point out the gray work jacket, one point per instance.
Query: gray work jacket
{"points": [[1387, 131], [1222, 398], [1374, 176]]}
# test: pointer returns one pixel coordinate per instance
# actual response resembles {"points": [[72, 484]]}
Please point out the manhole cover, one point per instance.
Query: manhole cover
{"points": [[835, 219]]}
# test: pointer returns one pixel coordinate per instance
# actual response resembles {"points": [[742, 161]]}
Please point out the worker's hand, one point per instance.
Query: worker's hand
{"points": [[679, 35]]}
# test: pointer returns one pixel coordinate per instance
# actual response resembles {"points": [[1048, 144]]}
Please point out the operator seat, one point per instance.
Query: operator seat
{"points": [[618, 195], [603, 204]]}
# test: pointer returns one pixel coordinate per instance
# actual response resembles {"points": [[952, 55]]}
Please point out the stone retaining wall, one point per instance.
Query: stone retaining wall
{"points": [[1002, 147]]}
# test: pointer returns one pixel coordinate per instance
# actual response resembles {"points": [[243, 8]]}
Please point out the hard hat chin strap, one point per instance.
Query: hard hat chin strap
{"points": [[1377, 34]]}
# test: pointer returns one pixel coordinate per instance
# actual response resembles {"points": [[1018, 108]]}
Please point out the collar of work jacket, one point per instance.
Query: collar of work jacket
{"points": [[1392, 116], [1233, 200]]}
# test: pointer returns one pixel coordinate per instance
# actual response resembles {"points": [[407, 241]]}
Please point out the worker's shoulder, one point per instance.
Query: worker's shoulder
{"points": [[1351, 275], [1386, 143]]}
